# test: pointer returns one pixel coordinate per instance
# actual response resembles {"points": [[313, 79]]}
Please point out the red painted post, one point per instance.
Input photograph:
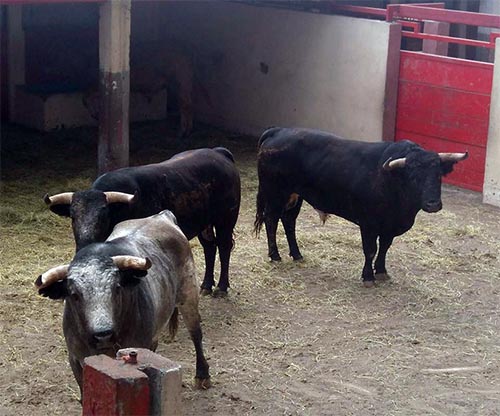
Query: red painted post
{"points": [[114, 388]]}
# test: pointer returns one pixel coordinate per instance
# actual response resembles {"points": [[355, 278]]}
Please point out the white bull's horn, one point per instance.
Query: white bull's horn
{"points": [[390, 164], [131, 262], [51, 276], [112, 197], [60, 199], [453, 157]]}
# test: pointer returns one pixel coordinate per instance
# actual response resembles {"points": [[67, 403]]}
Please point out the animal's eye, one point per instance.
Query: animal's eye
{"points": [[75, 297]]}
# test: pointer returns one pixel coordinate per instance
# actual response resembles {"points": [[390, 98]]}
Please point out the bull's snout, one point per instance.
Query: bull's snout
{"points": [[432, 206]]}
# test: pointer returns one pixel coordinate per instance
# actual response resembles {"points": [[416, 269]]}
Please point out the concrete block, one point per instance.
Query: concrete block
{"points": [[114, 388], [165, 381], [58, 110]]}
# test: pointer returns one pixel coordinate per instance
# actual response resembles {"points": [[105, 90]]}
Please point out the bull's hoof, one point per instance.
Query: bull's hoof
{"points": [[382, 277], [275, 257], [205, 292], [368, 283], [298, 258], [219, 293], [202, 383]]}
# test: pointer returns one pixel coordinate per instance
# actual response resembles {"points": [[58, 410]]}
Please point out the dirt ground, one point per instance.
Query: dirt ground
{"points": [[291, 338]]}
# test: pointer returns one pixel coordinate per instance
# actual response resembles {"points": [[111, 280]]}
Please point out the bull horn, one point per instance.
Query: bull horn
{"points": [[51, 276], [390, 164], [60, 199], [113, 197], [453, 157], [131, 262]]}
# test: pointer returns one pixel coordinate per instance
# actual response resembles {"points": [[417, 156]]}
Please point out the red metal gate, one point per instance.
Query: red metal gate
{"points": [[443, 105]]}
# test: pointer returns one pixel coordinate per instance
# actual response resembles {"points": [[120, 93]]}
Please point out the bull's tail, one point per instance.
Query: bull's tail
{"points": [[259, 215], [173, 324], [225, 152], [267, 133]]}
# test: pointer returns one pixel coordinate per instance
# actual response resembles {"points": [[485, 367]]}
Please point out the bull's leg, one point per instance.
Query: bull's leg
{"points": [[191, 317], [289, 220], [207, 240], [369, 240], [225, 244], [271, 222], [384, 244]]}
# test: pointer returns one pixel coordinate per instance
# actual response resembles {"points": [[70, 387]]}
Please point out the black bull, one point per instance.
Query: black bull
{"points": [[378, 186], [201, 187]]}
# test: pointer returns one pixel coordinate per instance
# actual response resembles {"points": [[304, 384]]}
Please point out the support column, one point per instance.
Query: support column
{"points": [[491, 188], [15, 53], [391, 83], [114, 85], [432, 46]]}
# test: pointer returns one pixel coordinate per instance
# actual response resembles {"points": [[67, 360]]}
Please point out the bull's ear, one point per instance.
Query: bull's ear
{"points": [[60, 206], [131, 278], [448, 161], [58, 290], [61, 210], [132, 269], [447, 167], [53, 283]]}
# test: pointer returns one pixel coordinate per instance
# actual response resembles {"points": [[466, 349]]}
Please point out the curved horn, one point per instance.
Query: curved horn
{"points": [[51, 276], [59, 199], [131, 262], [390, 164], [453, 157], [112, 197]]}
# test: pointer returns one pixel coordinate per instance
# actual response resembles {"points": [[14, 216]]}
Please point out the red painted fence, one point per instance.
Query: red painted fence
{"points": [[443, 105]]}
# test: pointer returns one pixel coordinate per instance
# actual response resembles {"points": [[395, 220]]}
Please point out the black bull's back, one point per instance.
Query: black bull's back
{"points": [[201, 187], [334, 175]]}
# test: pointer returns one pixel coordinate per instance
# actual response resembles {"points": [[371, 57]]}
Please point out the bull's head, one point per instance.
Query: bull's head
{"points": [[424, 170], [95, 291], [93, 213]]}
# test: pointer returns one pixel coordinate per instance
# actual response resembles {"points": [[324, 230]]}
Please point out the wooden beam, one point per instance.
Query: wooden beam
{"points": [[114, 85]]}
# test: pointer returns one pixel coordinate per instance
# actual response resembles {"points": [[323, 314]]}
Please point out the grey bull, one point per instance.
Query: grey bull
{"points": [[122, 292]]}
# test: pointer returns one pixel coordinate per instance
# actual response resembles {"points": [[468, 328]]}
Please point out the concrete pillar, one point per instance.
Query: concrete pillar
{"points": [[491, 189], [432, 46], [15, 53], [114, 88]]}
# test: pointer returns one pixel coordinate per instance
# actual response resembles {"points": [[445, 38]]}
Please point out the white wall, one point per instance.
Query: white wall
{"points": [[491, 189], [326, 72]]}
